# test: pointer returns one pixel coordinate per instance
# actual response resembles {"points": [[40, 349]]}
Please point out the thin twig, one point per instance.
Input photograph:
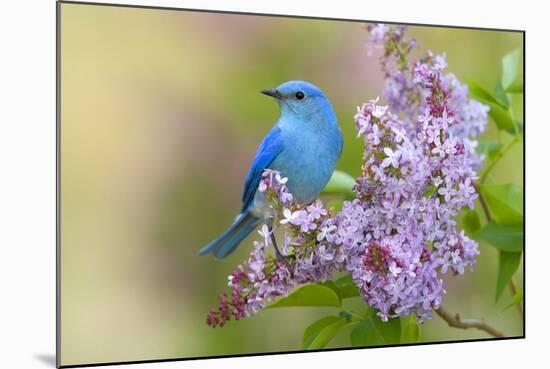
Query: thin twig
{"points": [[456, 322]]}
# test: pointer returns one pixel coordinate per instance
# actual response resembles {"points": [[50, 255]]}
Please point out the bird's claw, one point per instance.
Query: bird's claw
{"points": [[282, 259]]}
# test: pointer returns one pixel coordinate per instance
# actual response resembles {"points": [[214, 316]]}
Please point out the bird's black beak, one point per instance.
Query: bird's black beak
{"points": [[273, 93]]}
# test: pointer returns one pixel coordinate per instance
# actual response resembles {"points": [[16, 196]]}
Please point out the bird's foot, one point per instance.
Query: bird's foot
{"points": [[283, 260], [279, 256]]}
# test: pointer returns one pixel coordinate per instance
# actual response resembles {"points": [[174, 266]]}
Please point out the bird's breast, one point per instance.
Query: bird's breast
{"points": [[308, 160]]}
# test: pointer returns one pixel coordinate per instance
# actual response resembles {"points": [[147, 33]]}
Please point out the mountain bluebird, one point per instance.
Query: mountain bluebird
{"points": [[303, 146]]}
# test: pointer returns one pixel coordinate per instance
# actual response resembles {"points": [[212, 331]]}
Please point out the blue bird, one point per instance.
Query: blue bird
{"points": [[304, 146]]}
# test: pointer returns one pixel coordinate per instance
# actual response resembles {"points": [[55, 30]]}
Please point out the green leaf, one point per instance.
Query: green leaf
{"points": [[505, 237], [500, 95], [499, 112], [489, 148], [340, 183], [482, 94], [343, 280], [502, 117], [471, 222], [518, 297], [314, 329], [411, 330], [309, 295], [505, 202], [512, 81], [508, 263], [347, 286], [373, 332], [349, 291], [510, 63], [366, 334], [325, 334], [333, 286], [516, 87]]}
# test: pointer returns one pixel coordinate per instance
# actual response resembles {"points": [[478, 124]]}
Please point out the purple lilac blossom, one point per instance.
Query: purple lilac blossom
{"points": [[312, 256], [399, 235]]}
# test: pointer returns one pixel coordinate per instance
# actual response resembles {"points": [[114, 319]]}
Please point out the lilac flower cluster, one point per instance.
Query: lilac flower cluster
{"points": [[262, 278], [399, 235]]}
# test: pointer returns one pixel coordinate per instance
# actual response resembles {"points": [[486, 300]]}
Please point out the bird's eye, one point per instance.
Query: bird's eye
{"points": [[300, 95]]}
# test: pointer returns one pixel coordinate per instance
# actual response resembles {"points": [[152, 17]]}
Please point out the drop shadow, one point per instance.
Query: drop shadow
{"points": [[48, 359]]}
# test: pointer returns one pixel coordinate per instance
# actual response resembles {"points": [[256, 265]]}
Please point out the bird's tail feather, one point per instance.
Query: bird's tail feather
{"points": [[232, 237]]}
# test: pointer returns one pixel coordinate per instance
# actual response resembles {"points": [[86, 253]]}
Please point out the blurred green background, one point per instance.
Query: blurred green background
{"points": [[160, 117]]}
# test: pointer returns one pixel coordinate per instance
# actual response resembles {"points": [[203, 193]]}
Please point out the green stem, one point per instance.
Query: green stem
{"points": [[497, 159], [400, 53], [483, 203]]}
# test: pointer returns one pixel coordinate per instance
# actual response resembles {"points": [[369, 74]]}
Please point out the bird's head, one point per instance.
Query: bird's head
{"points": [[300, 98]]}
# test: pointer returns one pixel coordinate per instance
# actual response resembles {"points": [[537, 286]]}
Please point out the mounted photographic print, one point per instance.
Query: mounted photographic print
{"points": [[245, 184]]}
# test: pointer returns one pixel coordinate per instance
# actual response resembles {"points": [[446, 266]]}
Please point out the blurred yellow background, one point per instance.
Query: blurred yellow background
{"points": [[160, 117]]}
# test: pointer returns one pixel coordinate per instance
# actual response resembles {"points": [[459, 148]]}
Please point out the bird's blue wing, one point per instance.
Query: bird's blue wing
{"points": [[270, 147], [341, 144]]}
